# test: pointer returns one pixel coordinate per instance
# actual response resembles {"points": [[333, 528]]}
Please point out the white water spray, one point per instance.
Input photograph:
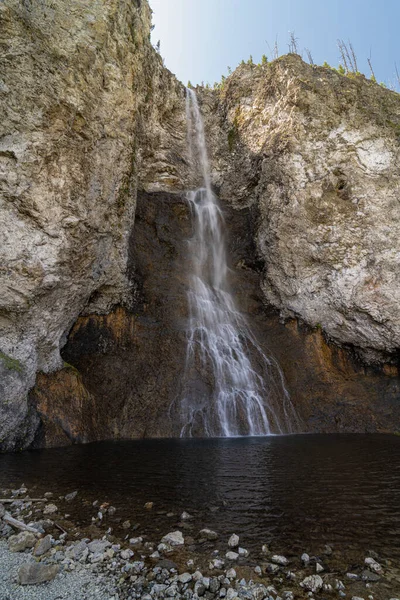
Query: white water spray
{"points": [[224, 394]]}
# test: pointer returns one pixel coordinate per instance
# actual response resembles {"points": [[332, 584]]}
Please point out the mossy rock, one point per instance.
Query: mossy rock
{"points": [[12, 364]]}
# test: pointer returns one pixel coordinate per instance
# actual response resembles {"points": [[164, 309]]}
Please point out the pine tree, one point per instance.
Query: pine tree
{"points": [[264, 59]]}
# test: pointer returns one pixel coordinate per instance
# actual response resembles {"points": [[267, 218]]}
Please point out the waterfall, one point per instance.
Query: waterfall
{"points": [[230, 387]]}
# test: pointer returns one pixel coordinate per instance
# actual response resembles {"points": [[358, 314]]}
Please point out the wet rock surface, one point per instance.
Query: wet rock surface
{"points": [[128, 365]]}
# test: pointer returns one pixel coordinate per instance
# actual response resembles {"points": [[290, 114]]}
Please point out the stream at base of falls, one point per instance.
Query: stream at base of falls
{"points": [[295, 493]]}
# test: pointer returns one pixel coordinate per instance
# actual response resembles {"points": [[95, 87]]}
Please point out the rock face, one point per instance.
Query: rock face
{"points": [[86, 106], [319, 154], [93, 137]]}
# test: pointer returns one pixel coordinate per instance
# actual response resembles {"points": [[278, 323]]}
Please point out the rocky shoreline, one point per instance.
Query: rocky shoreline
{"points": [[44, 554]]}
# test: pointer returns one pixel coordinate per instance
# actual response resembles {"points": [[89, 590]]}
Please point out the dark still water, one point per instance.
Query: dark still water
{"points": [[295, 493]]}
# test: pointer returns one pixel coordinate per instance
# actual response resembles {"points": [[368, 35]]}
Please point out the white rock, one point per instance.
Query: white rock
{"points": [[305, 558], [185, 578], [233, 541], [243, 552], [279, 560], [185, 516], [208, 534], [231, 574], [137, 541], [373, 565], [319, 568], [174, 538], [217, 563], [313, 583], [232, 555]]}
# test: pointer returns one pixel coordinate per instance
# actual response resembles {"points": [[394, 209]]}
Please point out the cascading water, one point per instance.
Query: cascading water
{"points": [[224, 392]]}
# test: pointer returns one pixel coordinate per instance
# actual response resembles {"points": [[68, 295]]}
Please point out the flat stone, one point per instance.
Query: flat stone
{"points": [[76, 551], [279, 560], [21, 541], [370, 576], [42, 546], [167, 564], [34, 573], [98, 546], [71, 496], [137, 541], [185, 578], [174, 538], [232, 555], [208, 534]]}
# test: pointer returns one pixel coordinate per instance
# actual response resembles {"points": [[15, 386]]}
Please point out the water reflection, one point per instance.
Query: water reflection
{"points": [[296, 491]]}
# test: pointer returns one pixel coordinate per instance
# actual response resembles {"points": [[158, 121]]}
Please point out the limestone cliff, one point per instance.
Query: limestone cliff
{"points": [[318, 153], [307, 162], [86, 106]]}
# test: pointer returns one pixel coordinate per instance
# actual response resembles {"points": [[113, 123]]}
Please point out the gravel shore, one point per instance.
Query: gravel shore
{"points": [[69, 585], [44, 556]]}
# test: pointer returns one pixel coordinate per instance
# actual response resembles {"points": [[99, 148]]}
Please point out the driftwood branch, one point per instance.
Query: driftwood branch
{"points": [[60, 528], [18, 524], [10, 500]]}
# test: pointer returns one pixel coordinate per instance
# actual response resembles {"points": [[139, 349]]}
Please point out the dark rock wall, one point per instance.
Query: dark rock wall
{"points": [[129, 364]]}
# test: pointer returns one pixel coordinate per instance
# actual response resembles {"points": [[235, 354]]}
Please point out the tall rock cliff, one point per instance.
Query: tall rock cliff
{"points": [[86, 107], [318, 153], [307, 163]]}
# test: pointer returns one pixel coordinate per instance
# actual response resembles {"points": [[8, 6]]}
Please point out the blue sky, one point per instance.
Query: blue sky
{"points": [[201, 38]]}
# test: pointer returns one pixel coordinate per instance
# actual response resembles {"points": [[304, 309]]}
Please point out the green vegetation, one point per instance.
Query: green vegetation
{"points": [[348, 66], [12, 364], [232, 137]]}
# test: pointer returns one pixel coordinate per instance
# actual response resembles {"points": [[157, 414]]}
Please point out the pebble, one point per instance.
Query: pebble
{"points": [[313, 583], [42, 546], [279, 560], [373, 565], [233, 541], [174, 538], [208, 534], [232, 555], [185, 516], [71, 496], [50, 509]]}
